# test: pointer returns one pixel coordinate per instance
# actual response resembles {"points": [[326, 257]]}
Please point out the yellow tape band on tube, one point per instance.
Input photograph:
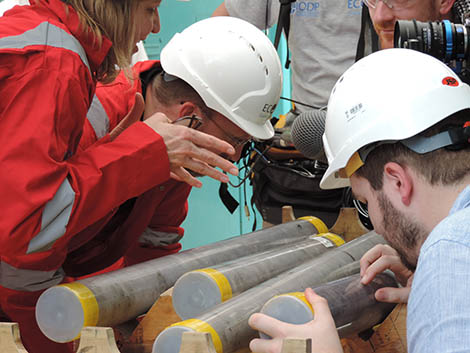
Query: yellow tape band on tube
{"points": [[336, 239], [221, 281], [201, 326], [317, 222], [87, 300]]}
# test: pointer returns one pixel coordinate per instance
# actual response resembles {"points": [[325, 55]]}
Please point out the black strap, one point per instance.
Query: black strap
{"points": [[366, 22], [260, 183], [146, 77], [374, 36], [227, 199], [283, 23], [361, 44], [255, 223]]}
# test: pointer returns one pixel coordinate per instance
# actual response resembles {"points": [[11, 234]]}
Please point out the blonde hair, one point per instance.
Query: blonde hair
{"points": [[113, 19]]}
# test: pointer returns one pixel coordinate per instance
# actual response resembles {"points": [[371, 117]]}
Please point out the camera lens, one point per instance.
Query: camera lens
{"points": [[443, 40]]}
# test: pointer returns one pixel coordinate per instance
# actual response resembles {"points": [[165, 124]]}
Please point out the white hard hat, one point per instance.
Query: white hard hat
{"points": [[233, 66], [389, 95]]}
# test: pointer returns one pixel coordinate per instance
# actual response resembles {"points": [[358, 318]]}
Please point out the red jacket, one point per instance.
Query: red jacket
{"points": [[49, 191], [143, 228]]}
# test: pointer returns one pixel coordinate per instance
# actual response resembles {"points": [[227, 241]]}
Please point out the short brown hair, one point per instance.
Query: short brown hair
{"points": [[443, 166], [175, 91], [113, 19]]}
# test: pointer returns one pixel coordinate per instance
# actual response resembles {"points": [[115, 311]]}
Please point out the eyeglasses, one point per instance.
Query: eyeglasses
{"points": [[238, 142], [195, 122], [191, 121], [235, 140], [391, 4]]}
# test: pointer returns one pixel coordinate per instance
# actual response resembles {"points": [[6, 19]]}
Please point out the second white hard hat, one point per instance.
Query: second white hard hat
{"points": [[233, 66], [392, 95]]}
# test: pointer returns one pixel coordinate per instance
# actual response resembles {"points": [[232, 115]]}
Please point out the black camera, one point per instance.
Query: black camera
{"points": [[446, 41]]}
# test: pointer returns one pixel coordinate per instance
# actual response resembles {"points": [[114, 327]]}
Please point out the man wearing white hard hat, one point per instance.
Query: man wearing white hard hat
{"points": [[398, 131], [221, 76]]}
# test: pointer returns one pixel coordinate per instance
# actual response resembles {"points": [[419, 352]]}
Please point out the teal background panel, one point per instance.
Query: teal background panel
{"points": [[208, 220]]}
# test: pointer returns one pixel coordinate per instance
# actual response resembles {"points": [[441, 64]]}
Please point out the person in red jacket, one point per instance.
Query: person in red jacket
{"points": [[52, 54], [148, 226]]}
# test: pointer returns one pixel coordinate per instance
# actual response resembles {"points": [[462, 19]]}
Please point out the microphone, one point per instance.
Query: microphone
{"points": [[462, 10], [307, 132]]}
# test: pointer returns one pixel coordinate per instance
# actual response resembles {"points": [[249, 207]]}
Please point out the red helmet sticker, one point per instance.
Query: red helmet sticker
{"points": [[450, 81]]}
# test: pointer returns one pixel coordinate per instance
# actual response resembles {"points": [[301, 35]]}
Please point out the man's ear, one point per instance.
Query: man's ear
{"points": [[188, 109], [399, 180], [445, 8]]}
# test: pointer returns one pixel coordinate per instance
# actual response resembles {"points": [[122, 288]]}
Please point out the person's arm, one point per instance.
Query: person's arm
{"points": [[191, 149], [47, 195], [114, 110], [380, 258], [438, 314], [162, 234], [50, 193], [321, 329]]}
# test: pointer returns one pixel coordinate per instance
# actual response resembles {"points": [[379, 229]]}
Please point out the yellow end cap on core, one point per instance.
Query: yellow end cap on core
{"points": [[317, 222], [221, 281], [87, 300]]}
